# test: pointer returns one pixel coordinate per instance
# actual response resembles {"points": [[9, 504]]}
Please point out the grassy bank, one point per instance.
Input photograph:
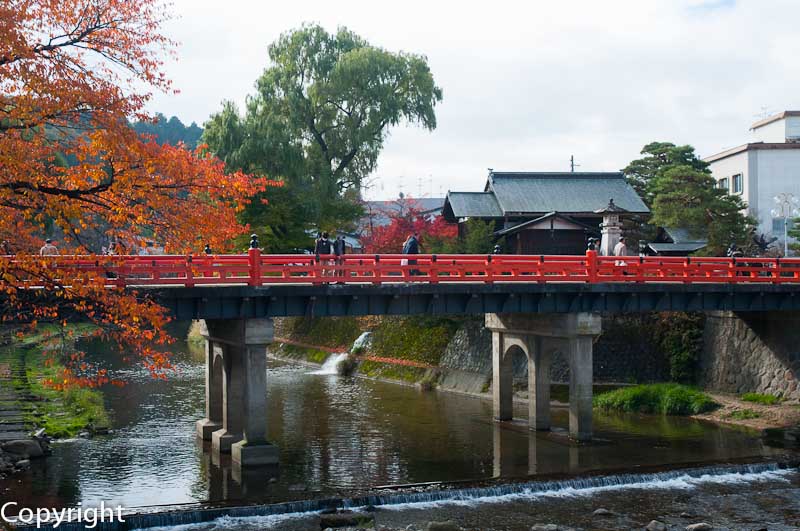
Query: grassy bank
{"points": [[306, 354], [63, 413], [420, 339], [663, 398]]}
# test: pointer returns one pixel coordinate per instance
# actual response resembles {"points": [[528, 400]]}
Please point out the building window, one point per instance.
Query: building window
{"points": [[738, 184], [722, 184]]}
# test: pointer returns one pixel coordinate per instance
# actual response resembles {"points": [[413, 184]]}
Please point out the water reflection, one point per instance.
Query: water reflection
{"points": [[337, 435]]}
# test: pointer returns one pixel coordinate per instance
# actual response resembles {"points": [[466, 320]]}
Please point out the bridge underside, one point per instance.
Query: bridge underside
{"points": [[238, 302]]}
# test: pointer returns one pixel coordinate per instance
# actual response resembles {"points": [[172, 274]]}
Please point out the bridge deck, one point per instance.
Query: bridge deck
{"points": [[256, 269], [257, 285], [464, 298]]}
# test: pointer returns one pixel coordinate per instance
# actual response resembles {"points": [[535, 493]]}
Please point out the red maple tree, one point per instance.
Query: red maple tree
{"points": [[408, 219], [72, 75]]}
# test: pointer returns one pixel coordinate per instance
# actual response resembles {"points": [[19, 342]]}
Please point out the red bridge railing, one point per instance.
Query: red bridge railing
{"points": [[257, 269]]}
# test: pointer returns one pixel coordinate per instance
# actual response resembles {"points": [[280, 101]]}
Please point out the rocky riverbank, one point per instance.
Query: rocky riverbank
{"points": [[31, 412], [15, 455]]}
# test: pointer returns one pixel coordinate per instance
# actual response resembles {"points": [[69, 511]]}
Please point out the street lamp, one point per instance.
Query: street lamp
{"points": [[786, 204]]}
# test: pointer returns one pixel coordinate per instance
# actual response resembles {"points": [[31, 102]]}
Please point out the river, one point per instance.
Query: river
{"points": [[342, 437]]}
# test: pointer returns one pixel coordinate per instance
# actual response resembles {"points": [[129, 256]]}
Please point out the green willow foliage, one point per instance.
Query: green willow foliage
{"points": [[319, 118]]}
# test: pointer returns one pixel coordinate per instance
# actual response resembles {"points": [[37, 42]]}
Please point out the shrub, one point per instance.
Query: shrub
{"points": [[428, 383], [680, 336], [347, 366], [758, 398], [666, 399]]}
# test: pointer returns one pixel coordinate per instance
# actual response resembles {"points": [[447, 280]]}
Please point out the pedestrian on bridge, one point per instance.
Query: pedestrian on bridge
{"points": [[339, 250], [621, 249], [324, 247], [48, 249], [411, 246]]}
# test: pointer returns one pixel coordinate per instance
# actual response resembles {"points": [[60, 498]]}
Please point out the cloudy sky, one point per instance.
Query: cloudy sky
{"points": [[526, 83]]}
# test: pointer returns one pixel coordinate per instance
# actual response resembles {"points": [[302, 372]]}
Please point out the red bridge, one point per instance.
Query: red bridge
{"points": [[257, 269]]}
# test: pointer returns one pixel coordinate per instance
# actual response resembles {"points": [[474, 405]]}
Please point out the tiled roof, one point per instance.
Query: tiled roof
{"points": [[471, 204], [531, 193]]}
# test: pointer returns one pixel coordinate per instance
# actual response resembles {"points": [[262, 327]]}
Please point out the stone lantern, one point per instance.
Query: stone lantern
{"points": [[611, 228]]}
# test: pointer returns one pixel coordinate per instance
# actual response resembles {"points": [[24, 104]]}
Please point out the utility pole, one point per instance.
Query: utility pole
{"points": [[572, 164]]}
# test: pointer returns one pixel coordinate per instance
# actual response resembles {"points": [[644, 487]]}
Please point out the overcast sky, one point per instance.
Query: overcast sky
{"points": [[526, 83]]}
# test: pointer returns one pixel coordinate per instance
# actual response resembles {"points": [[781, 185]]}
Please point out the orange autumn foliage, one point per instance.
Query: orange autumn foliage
{"points": [[72, 75]]}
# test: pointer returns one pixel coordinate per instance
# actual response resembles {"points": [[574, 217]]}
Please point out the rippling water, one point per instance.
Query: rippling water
{"points": [[339, 435]]}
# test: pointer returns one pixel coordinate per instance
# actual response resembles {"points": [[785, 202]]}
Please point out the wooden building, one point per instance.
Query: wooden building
{"points": [[545, 213]]}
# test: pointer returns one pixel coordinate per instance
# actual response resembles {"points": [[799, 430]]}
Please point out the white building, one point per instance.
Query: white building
{"points": [[763, 169]]}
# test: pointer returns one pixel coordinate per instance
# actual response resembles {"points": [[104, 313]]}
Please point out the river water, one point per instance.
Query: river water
{"points": [[340, 437]]}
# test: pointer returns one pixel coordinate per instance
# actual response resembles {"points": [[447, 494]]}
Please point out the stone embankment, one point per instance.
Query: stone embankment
{"points": [[16, 447], [752, 353]]}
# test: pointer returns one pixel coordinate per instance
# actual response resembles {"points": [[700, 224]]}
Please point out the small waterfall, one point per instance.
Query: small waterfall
{"points": [[685, 478], [331, 364], [361, 341]]}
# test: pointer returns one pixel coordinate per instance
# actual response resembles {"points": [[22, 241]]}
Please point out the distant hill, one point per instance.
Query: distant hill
{"points": [[170, 131]]}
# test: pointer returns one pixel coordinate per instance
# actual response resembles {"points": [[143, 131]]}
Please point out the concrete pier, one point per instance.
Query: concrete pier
{"points": [[538, 336], [213, 419], [236, 390]]}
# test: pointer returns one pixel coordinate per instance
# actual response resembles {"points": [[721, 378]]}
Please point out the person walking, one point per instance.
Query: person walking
{"points": [[339, 250], [48, 249], [324, 247], [411, 246], [621, 248]]}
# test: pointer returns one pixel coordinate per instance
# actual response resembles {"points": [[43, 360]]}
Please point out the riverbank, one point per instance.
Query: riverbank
{"points": [[30, 403]]}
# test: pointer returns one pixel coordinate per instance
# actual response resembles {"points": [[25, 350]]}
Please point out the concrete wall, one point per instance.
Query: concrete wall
{"points": [[752, 352], [730, 166], [772, 132], [766, 173]]}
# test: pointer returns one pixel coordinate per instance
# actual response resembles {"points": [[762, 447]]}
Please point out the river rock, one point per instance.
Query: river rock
{"points": [[702, 526], [655, 525], [602, 512], [24, 464], [24, 447], [344, 519], [545, 527], [443, 526]]}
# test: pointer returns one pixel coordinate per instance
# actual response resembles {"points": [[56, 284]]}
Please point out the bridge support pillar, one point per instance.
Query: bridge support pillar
{"points": [[537, 336], [502, 379], [213, 419], [539, 383], [242, 343]]}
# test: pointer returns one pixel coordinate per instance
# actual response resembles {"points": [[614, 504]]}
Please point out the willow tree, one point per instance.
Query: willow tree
{"points": [[322, 111]]}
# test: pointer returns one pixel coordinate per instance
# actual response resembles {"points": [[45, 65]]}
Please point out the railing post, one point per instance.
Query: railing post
{"points": [[254, 258], [591, 265], [189, 272], [434, 276], [376, 269]]}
